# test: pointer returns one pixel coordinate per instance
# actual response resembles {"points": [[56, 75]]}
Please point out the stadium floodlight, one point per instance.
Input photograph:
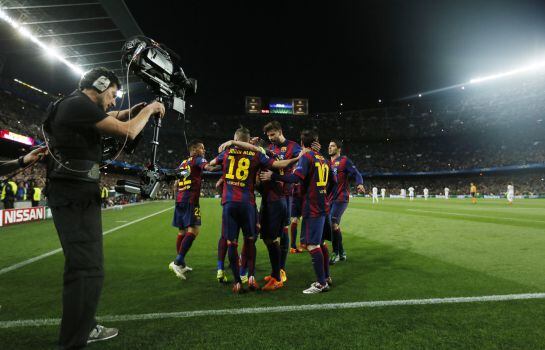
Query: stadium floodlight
{"points": [[537, 65], [25, 32], [528, 68], [51, 51], [5, 17]]}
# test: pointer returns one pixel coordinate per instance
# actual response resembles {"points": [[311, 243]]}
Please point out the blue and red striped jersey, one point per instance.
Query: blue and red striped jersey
{"points": [[296, 192], [344, 169], [272, 191], [239, 171], [189, 185], [315, 174], [286, 150]]}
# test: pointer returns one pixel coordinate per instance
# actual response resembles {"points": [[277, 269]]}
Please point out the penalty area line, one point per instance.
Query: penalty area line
{"points": [[278, 309], [58, 250]]}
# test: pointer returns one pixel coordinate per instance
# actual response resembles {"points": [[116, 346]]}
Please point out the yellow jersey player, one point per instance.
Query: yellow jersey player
{"points": [[473, 193]]}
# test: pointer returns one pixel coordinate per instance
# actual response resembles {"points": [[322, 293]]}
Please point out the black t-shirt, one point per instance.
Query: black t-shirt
{"points": [[73, 128], [76, 137]]}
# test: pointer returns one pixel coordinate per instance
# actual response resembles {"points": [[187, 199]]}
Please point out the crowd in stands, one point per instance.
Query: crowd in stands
{"points": [[20, 116], [481, 126]]}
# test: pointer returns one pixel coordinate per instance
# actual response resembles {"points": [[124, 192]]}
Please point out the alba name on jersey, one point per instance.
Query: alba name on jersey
{"points": [[239, 171]]}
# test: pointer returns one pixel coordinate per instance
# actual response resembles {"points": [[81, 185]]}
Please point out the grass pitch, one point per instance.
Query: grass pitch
{"points": [[397, 250]]}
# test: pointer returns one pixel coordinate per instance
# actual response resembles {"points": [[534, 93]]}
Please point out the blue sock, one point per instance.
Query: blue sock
{"points": [[184, 248], [180, 260], [341, 248], [325, 253], [318, 264], [284, 247], [233, 259], [222, 251], [274, 257]]}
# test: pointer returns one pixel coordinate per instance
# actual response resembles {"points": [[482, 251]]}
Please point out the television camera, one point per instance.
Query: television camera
{"points": [[159, 69]]}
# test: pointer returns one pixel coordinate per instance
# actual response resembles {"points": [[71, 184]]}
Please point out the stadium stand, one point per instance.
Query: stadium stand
{"points": [[489, 135]]}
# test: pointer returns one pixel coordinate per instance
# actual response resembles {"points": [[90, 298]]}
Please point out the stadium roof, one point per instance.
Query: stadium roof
{"points": [[365, 55], [86, 33]]}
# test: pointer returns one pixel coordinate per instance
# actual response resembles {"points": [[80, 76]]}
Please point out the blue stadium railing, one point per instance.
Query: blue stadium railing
{"points": [[508, 168]]}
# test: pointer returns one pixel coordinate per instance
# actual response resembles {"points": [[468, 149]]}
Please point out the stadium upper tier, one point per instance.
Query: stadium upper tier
{"points": [[492, 124]]}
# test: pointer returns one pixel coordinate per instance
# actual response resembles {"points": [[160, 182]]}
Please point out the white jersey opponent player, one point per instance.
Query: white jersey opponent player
{"points": [[510, 193], [411, 193], [403, 193], [383, 193], [375, 194], [446, 192], [426, 194]]}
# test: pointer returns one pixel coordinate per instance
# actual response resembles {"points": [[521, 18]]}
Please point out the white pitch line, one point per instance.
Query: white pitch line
{"points": [[58, 250], [474, 215], [278, 309]]}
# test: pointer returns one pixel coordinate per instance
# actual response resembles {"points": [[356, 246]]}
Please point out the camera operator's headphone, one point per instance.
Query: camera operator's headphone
{"points": [[101, 83]]}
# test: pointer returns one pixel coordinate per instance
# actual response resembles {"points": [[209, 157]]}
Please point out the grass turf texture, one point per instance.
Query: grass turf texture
{"points": [[396, 250]]}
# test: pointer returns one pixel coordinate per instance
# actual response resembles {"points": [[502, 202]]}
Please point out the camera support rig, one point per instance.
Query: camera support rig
{"points": [[153, 63]]}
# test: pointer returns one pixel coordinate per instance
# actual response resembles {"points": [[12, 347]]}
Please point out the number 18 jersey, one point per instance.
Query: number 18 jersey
{"points": [[239, 171]]}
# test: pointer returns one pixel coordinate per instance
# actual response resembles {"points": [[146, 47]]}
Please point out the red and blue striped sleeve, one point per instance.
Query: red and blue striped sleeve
{"points": [[331, 182], [264, 160], [200, 162], [219, 158], [301, 169], [296, 149], [353, 172]]}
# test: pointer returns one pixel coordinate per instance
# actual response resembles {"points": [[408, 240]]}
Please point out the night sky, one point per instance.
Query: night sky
{"points": [[344, 51], [353, 52]]}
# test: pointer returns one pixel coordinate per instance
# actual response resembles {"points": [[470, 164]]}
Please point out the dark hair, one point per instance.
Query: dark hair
{"points": [[337, 142], [194, 144], [308, 137], [274, 125], [91, 76], [243, 134]]}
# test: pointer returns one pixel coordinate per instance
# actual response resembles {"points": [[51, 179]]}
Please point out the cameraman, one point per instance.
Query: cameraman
{"points": [[74, 126]]}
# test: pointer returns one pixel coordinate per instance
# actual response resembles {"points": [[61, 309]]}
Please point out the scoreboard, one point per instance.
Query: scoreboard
{"points": [[300, 106], [287, 106], [253, 105]]}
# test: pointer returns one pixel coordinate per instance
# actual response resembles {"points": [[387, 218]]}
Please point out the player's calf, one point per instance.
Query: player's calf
{"points": [[222, 252], [234, 260]]}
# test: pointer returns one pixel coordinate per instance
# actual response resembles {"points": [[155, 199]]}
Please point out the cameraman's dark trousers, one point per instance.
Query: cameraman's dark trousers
{"points": [[76, 212]]}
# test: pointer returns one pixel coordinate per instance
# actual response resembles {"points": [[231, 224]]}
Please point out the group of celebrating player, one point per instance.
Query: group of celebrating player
{"points": [[294, 181]]}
